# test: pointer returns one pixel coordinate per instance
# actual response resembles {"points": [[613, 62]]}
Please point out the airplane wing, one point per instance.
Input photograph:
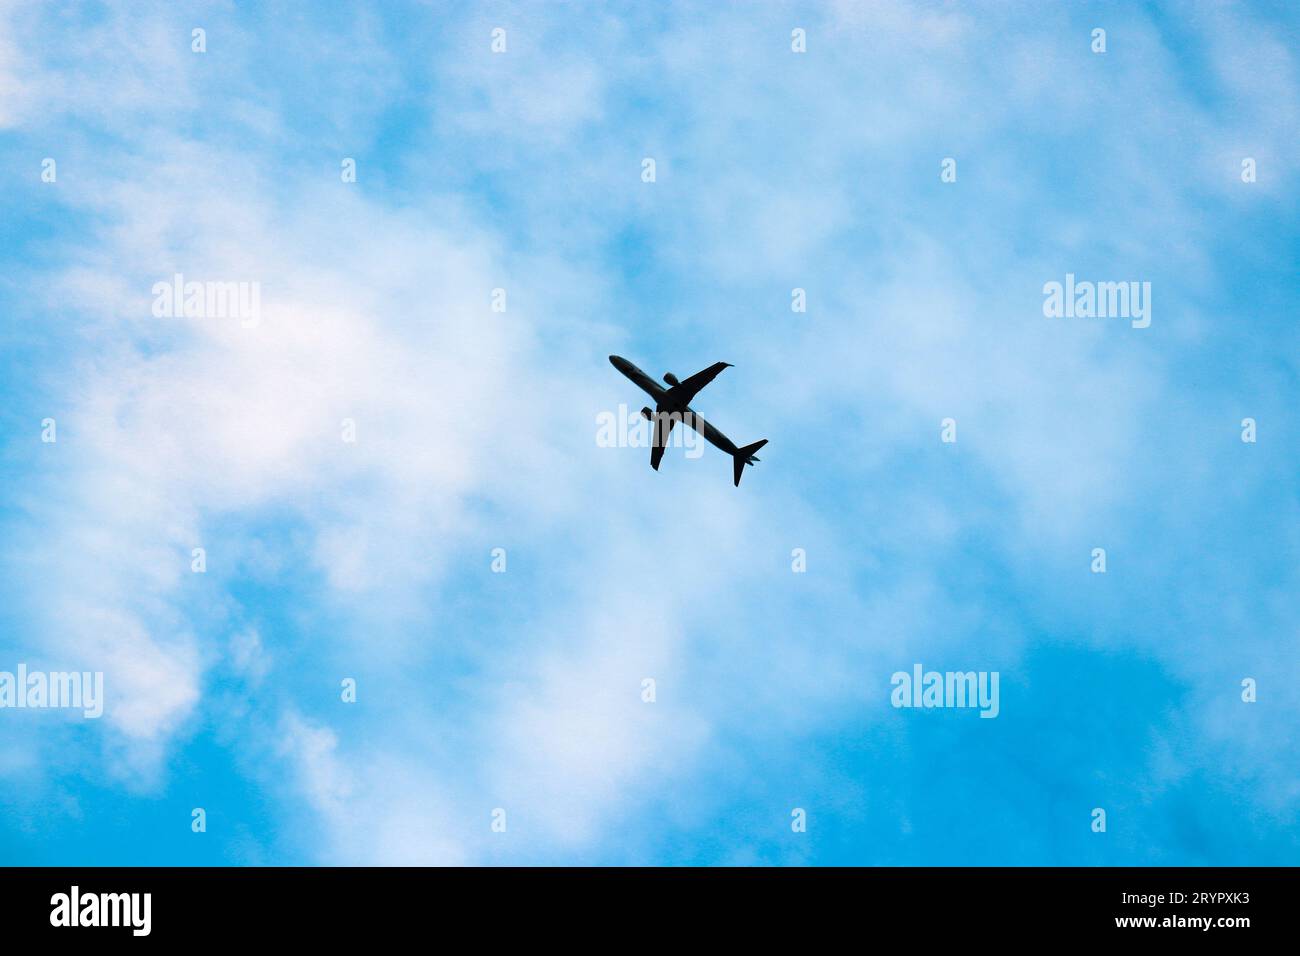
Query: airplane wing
{"points": [[682, 393], [663, 424]]}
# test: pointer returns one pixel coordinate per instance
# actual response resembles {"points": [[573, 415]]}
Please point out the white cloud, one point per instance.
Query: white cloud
{"points": [[470, 422]]}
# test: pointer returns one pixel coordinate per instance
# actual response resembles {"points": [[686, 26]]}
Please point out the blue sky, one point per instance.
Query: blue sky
{"points": [[476, 430]]}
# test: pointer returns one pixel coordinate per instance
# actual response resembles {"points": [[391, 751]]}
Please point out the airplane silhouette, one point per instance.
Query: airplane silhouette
{"points": [[673, 405]]}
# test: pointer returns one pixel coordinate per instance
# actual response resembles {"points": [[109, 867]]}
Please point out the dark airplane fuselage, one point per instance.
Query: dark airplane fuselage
{"points": [[664, 404]]}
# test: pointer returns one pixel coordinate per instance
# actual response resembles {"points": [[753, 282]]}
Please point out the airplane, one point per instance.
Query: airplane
{"points": [[673, 405]]}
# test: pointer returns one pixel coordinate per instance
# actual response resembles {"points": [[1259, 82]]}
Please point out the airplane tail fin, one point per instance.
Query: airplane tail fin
{"points": [[745, 456]]}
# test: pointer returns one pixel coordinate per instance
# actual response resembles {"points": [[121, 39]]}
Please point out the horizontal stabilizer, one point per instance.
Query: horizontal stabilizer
{"points": [[745, 456]]}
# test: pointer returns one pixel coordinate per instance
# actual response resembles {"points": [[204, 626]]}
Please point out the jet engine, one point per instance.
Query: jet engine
{"points": [[647, 414], [671, 379]]}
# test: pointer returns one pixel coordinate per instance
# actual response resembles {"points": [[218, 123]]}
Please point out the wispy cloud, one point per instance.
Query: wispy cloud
{"points": [[370, 559]]}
